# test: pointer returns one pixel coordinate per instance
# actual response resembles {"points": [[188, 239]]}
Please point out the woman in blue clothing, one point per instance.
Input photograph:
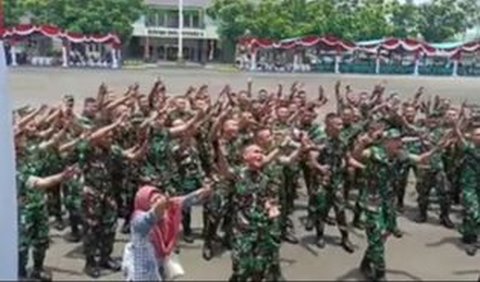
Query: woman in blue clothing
{"points": [[155, 226]]}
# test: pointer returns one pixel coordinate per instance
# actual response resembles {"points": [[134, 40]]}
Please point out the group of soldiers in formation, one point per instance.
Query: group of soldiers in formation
{"points": [[253, 149]]}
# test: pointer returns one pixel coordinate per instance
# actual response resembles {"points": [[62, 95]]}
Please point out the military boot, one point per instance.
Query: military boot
{"points": [[39, 273], [320, 240], [346, 244], [91, 268], [445, 220]]}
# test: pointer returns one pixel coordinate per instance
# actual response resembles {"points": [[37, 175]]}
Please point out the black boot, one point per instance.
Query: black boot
{"points": [[110, 263], [422, 216], [126, 225], [39, 272], [74, 236], [22, 265], [357, 223], [366, 269], [320, 240], [346, 244], [400, 206], [187, 229], [445, 220], [59, 224], [380, 275], [289, 236], [207, 251], [91, 268], [309, 223], [470, 245]]}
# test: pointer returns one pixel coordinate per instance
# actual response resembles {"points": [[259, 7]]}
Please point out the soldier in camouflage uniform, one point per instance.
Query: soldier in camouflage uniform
{"points": [[331, 162], [434, 177], [189, 172], [32, 203], [254, 212], [33, 224], [470, 182], [95, 154], [379, 162], [134, 135], [219, 206]]}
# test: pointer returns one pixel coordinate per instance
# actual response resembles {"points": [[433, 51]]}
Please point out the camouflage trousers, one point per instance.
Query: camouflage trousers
{"points": [[128, 197], [388, 212], [428, 180], [471, 208], [290, 187], [255, 253], [360, 203], [100, 223], [33, 233], [400, 183], [215, 210], [72, 192], [375, 252], [54, 202]]}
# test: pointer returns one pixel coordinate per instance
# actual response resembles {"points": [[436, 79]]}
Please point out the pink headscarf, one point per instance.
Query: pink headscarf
{"points": [[164, 234]]}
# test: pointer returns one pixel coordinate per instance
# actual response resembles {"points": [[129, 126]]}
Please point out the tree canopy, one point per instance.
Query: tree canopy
{"points": [[85, 16], [437, 20]]}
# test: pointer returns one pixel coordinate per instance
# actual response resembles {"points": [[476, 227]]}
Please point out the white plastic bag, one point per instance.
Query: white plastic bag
{"points": [[172, 267], [127, 262]]}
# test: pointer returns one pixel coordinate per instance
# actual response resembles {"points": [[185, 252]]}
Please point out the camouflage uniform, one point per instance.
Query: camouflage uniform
{"points": [[33, 212], [333, 155], [220, 206], [316, 134], [159, 165], [279, 225], [470, 181], [190, 177], [434, 177], [99, 205], [379, 180], [55, 165], [253, 242]]}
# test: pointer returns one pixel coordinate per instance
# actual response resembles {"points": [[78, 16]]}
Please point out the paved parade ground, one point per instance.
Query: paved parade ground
{"points": [[426, 252]]}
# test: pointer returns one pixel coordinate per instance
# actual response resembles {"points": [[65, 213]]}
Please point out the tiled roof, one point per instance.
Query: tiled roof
{"points": [[186, 3]]}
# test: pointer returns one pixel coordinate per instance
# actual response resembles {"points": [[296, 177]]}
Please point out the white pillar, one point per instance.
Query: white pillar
{"points": [[337, 64], [455, 68], [13, 54], [114, 59], [64, 56], [417, 64], [8, 198], [180, 31], [253, 61], [377, 65], [295, 62]]}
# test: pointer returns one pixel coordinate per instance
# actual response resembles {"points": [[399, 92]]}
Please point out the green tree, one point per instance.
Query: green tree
{"points": [[86, 16], [404, 19], [12, 11], [442, 19]]}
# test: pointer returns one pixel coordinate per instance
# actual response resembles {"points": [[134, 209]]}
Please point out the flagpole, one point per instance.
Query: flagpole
{"points": [[8, 196], [180, 31]]}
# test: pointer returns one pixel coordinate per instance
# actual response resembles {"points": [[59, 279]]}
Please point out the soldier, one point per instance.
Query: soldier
{"points": [[253, 215], [190, 174], [470, 181], [434, 176], [33, 227], [379, 162], [95, 153], [33, 207], [331, 162]]}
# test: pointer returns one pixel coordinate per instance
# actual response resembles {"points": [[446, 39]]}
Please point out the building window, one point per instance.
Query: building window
{"points": [[196, 20], [151, 19], [172, 19], [161, 16]]}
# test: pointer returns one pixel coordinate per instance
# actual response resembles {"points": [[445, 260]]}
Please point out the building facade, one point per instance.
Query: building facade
{"points": [[155, 34]]}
